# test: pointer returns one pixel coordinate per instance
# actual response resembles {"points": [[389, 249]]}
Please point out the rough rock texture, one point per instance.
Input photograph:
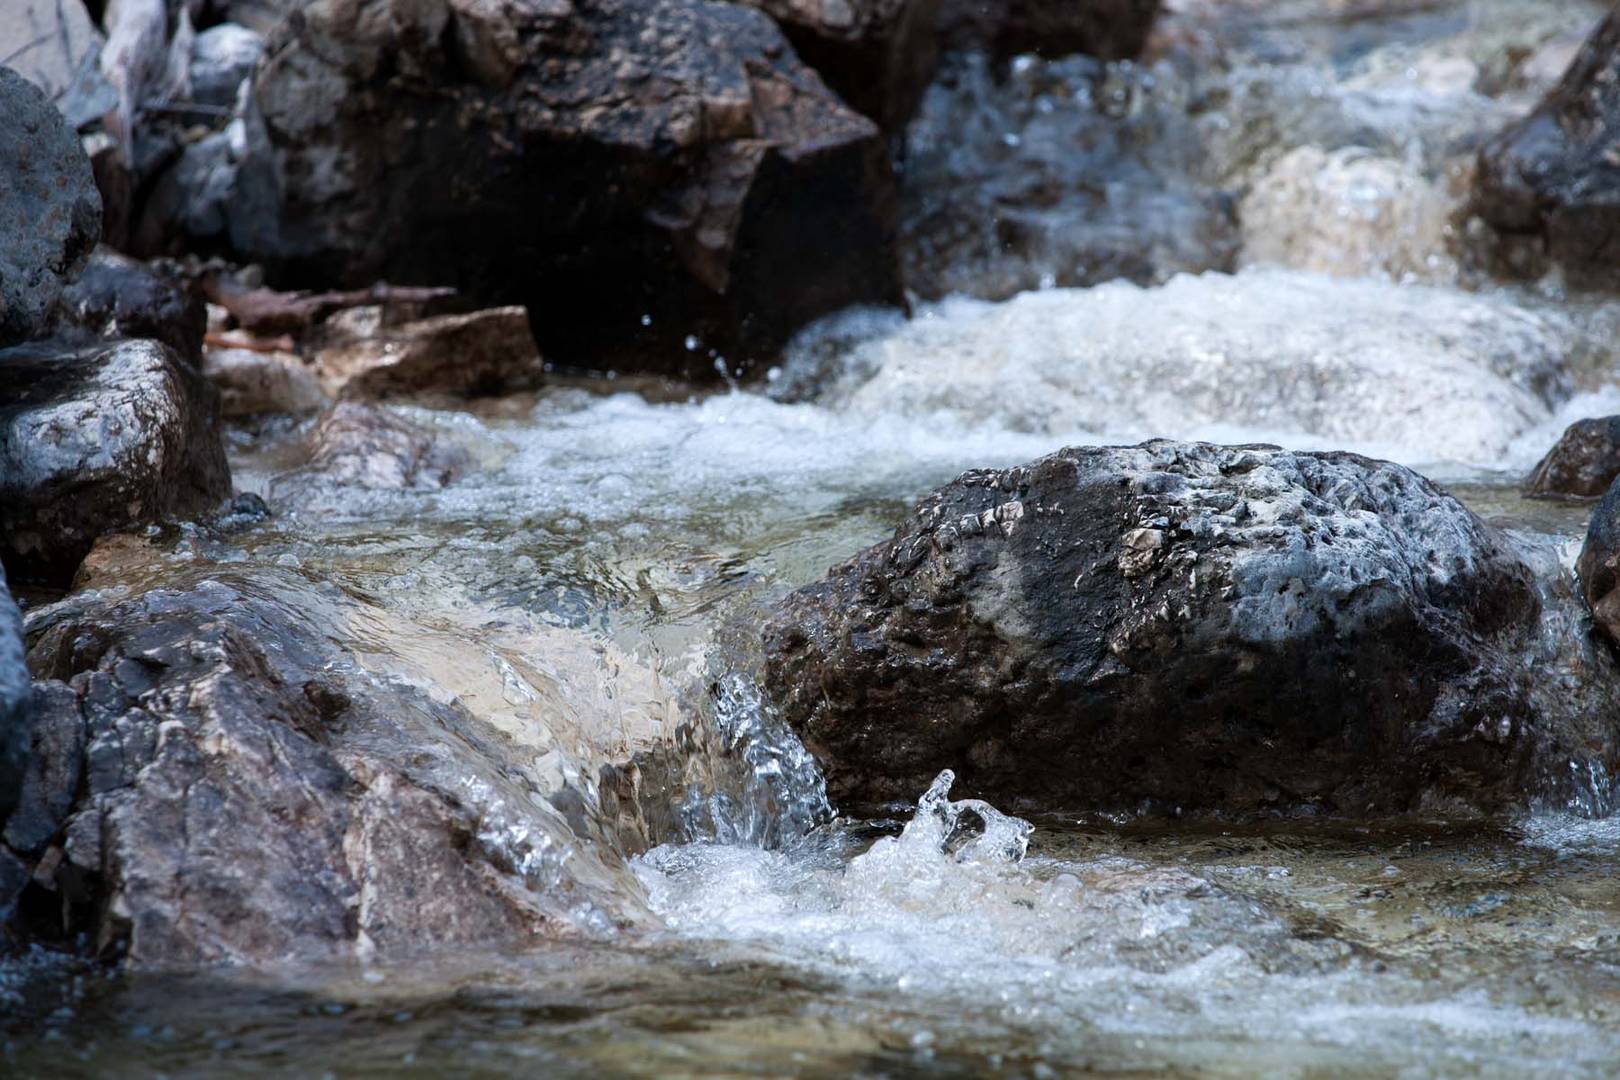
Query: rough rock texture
{"points": [[484, 353], [635, 172], [14, 696], [54, 45], [98, 438], [1550, 184], [50, 213], [1109, 29], [1582, 464], [1178, 626], [243, 795], [117, 296], [878, 55]]}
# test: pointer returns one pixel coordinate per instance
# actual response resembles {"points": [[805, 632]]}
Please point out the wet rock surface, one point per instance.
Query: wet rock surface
{"points": [[120, 297], [1179, 627], [1550, 184], [372, 447], [50, 212], [97, 438], [726, 197], [1582, 464], [215, 784]]}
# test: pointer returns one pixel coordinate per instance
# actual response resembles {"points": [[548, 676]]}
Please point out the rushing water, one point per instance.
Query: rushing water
{"points": [[589, 586]]}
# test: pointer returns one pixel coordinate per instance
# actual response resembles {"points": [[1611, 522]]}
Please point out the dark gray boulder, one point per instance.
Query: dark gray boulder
{"points": [[1182, 627], [662, 185], [97, 438], [120, 297], [50, 213], [1550, 184], [1582, 464], [245, 794]]}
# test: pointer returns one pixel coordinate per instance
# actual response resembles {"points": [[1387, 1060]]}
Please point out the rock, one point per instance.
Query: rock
{"points": [[250, 795], [484, 353], [1582, 464], [1006, 193], [117, 296], [222, 58], [15, 696], [56, 739], [370, 447], [1550, 184], [637, 173], [1598, 567], [1108, 29], [878, 55], [50, 214], [99, 438], [55, 45], [1182, 627], [252, 382]]}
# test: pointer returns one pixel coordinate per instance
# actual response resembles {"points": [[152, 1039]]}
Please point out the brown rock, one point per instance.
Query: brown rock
{"points": [[1582, 464], [371, 447], [252, 382], [635, 172], [878, 55], [485, 353]]}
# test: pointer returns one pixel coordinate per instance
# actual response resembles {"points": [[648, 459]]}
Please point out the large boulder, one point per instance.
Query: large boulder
{"points": [[1550, 184], [1582, 464], [1182, 627], [50, 213], [96, 438], [1108, 29], [245, 793], [663, 185], [877, 54]]}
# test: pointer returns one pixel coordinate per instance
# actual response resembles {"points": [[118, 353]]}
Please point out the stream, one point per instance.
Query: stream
{"points": [[591, 582]]}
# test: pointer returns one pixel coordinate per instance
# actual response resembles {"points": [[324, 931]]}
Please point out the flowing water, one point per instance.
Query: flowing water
{"points": [[589, 587]]}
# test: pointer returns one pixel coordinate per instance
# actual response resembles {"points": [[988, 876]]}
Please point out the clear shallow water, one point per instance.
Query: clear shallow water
{"points": [[603, 559]]}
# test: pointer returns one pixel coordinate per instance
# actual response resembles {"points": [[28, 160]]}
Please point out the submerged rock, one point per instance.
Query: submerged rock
{"points": [[878, 55], [250, 793], [638, 173], [50, 215], [1550, 184], [1180, 626], [483, 353], [98, 438], [1582, 464], [371, 447]]}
